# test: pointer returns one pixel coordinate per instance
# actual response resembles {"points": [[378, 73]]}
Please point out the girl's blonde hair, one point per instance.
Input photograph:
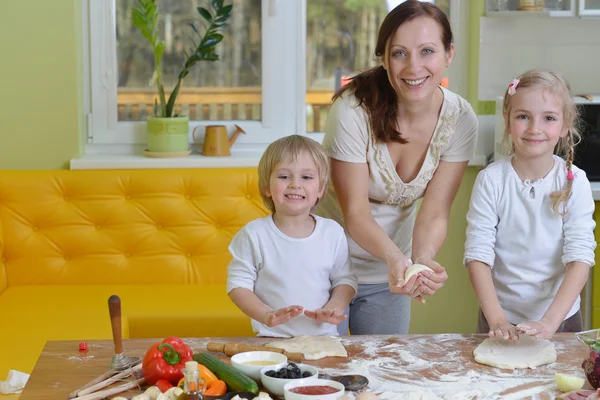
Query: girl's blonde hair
{"points": [[555, 85], [288, 149]]}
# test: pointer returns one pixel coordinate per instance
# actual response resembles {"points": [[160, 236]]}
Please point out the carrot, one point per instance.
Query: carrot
{"points": [[216, 388]]}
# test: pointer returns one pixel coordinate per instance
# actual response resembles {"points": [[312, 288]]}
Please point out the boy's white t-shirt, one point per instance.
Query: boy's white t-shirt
{"points": [[393, 203], [284, 271], [512, 228]]}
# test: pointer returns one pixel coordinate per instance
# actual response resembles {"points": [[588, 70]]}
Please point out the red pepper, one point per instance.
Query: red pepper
{"points": [[166, 360], [163, 385]]}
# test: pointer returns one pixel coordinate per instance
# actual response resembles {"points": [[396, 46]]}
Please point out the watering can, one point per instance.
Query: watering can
{"points": [[216, 140]]}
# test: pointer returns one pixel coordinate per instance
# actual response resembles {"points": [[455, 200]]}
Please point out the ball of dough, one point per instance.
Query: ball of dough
{"points": [[366, 396], [415, 269]]}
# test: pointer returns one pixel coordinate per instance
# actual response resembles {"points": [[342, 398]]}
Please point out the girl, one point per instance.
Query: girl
{"points": [[291, 271], [530, 235]]}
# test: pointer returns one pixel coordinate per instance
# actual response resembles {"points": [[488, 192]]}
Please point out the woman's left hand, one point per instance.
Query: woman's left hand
{"points": [[540, 329], [432, 281]]}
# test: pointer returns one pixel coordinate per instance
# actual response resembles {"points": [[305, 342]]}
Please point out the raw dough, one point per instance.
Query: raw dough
{"points": [[528, 352], [313, 347], [415, 269], [366, 396]]}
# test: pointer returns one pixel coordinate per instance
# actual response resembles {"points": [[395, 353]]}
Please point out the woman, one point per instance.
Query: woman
{"points": [[395, 135]]}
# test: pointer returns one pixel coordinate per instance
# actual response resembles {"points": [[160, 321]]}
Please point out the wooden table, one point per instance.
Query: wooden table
{"points": [[432, 366]]}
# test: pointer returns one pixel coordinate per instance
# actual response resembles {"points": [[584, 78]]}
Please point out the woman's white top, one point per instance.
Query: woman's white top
{"points": [[393, 202]]}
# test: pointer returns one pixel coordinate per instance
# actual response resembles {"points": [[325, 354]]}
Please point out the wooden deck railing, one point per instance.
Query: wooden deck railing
{"points": [[224, 104]]}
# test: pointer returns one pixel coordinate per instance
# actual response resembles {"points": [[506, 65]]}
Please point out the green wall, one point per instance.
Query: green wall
{"points": [[454, 308], [40, 81]]}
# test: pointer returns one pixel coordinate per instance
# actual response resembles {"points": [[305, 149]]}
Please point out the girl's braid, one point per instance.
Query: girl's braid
{"points": [[562, 196]]}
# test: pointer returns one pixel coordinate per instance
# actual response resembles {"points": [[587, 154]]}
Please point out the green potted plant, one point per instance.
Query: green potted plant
{"points": [[168, 132]]}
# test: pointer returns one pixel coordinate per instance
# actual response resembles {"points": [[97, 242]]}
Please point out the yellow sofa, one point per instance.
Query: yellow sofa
{"points": [[156, 238]]}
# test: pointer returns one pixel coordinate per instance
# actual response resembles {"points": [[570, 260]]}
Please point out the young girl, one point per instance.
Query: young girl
{"points": [[530, 235], [291, 271]]}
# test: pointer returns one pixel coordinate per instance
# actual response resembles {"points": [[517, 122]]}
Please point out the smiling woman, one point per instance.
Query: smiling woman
{"points": [[394, 136]]}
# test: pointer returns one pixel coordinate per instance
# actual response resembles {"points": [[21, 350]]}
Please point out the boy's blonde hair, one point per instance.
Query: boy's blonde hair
{"points": [[555, 85], [287, 149]]}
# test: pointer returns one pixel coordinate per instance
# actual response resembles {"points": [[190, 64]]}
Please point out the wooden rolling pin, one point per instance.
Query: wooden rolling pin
{"points": [[232, 348]]}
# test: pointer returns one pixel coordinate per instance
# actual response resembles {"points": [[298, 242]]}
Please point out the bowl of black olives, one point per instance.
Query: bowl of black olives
{"points": [[274, 377]]}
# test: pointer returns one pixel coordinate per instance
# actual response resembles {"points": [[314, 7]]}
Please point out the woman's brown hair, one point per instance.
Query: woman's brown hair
{"points": [[372, 88]]}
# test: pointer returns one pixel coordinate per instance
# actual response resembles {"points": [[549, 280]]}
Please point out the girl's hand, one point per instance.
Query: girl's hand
{"points": [[540, 329], [281, 316], [504, 330], [331, 316], [432, 281]]}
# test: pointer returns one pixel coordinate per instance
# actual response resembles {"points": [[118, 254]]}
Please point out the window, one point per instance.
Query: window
{"points": [[280, 63], [226, 90]]}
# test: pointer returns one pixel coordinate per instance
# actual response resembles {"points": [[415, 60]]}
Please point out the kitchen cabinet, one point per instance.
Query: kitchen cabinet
{"points": [[514, 8], [552, 8], [589, 8]]}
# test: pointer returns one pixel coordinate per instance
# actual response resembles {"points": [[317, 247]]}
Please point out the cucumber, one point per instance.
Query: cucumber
{"points": [[236, 381]]}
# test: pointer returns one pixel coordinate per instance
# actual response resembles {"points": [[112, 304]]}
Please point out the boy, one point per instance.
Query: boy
{"points": [[291, 271]]}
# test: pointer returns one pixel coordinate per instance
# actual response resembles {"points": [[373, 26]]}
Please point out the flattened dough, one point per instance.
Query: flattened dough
{"points": [[313, 347], [415, 269], [528, 352]]}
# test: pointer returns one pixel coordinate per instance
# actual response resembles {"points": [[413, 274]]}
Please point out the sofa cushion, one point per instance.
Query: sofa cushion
{"points": [[31, 315], [123, 226]]}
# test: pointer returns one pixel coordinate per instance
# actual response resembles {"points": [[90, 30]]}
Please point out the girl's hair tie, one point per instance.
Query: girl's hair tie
{"points": [[570, 175], [512, 87]]}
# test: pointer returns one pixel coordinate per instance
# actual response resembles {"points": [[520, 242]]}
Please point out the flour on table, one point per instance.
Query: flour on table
{"points": [[313, 347], [528, 352], [443, 372]]}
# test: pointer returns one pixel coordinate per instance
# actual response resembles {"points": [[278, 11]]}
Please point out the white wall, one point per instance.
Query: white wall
{"points": [[513, 44]]}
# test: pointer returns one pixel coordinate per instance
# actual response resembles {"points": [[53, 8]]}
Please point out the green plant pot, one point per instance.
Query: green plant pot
{"points": [[167, 135]]}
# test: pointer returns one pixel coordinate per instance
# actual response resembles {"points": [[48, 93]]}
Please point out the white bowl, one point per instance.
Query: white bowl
{"points": [[240, 361], [275, 385], [288, 395]]}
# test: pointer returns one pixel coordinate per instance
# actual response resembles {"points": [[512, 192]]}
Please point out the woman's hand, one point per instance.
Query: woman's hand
{"points": [[504, 330], [432, 281], [331, 316], [281, 316], [540, 329], [397, 266]]}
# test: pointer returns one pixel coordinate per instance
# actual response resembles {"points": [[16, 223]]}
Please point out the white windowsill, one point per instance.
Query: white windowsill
{"points": [[139, 161]]}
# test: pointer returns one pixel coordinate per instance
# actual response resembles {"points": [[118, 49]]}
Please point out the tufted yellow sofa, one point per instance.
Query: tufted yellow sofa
{"points": [[156, 238]]}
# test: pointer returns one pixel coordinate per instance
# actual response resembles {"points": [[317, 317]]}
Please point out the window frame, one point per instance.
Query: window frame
{"points": [[283, 61]]}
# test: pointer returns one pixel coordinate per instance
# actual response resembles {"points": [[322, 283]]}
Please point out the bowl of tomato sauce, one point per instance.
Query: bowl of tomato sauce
{"points": [[313, 389]]}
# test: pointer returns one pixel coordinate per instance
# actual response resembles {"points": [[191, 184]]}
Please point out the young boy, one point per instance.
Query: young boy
{"points": [[291, 270]]}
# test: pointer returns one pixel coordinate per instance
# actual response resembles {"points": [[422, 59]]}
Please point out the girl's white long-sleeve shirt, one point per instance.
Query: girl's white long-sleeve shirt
{"points": [[284, 271], [513, 229]]}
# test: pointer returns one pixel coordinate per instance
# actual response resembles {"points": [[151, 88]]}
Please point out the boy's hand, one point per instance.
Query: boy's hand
{"points": [[330, 316], [540, 329], [504, 330], [281, 316]]}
